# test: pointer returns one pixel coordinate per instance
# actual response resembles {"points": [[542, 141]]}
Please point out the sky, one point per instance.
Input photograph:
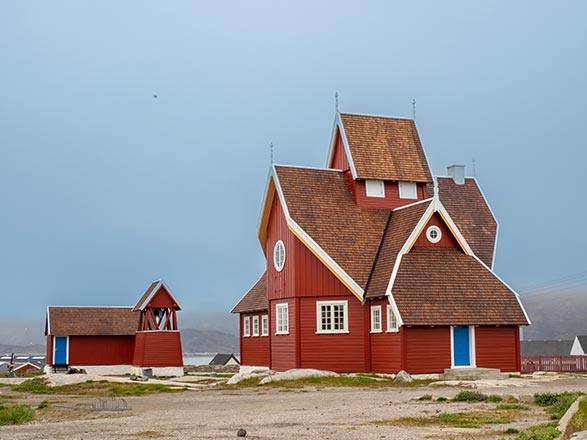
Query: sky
{"points": [[105, 187]]}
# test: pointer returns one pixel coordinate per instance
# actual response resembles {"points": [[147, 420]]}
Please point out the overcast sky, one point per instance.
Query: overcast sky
{"points": [[104, 188]]}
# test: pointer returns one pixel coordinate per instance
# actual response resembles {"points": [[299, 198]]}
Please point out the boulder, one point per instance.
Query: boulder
{"points": [[403, 376], [299, 373]]}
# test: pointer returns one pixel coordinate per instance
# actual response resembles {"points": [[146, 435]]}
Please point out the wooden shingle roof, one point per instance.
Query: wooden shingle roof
{"points": [[385, 148], [443, 286], [91, 321], [255, 300]]}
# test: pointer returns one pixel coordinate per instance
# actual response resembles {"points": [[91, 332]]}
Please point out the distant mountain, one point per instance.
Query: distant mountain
{"points": [[208, 341], [555, 315], [6, 349]]}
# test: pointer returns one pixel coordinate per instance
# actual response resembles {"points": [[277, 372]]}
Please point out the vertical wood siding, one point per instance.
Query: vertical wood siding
{"points": [[340, 160], [158, 349], [283, 347], [391, 199], [447, 239], [101, 350], [496, 347], [254, 349], [386, 349], [162, 299], [336, 352], [280, 284], [427, 349]]}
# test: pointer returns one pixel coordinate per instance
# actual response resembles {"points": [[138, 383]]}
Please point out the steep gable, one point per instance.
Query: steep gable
{"points": [[157, 295]]}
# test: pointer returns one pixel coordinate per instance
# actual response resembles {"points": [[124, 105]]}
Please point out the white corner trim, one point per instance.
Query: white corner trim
{"points": [[48, 321]]}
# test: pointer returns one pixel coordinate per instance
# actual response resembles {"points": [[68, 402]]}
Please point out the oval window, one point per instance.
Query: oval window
{"points": [[279, 256], [433, 234]]}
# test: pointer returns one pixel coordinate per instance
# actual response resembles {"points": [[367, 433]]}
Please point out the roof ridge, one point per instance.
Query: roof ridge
{"points": [[368, 115]]}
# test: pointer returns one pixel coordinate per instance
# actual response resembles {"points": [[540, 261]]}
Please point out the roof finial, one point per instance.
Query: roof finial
{"points": [[336, 100], [474, 169], [414, 109], [435, 180], [271, 152]]}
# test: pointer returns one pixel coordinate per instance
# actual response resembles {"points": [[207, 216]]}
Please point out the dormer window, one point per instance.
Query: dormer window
{"points": [[407, 190], [375, 188]]}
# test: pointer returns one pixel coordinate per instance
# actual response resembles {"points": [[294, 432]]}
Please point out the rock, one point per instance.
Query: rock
{"points": [[403, 376], [300, 373], [241, 433], [242, 376]]}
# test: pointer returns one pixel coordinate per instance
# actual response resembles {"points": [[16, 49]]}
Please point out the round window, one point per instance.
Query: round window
{"points": [[433, 234], [279, 256]]}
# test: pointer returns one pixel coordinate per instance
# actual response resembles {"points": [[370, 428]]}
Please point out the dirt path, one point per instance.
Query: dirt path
{"points": [[273, 413]]}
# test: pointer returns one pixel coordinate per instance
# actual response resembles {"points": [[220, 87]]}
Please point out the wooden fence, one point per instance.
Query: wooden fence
{"points": [[560, 364]]}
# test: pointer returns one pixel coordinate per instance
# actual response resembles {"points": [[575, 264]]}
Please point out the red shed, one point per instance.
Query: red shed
{"points": [[374, 265], [117, 339]]}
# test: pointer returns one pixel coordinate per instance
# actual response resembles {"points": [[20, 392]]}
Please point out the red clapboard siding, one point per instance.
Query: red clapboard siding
{"points": [[101, 350], [385, 347], [339, 159], [254, 349], [447, 239], [279, 284], [283, 347], [315, 279], [335, 352], [391, 199], [427, 349], [496, 347], [158, 349]]}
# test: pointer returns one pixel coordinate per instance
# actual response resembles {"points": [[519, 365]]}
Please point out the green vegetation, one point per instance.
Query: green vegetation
{"points": [[541, 432], [369, 381], [15, 415], [579, 421], [425, 397], [510, 406], [457, 420], [474, 396], [441, 399], [556, 404], [96, 388], [511, 431], [43, 404]]}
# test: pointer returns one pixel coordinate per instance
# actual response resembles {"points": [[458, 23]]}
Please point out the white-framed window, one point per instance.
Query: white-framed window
{"points": [[433, 234], [279, 256], [408, 190], [375, 319], [247, 326], [391, 320], [255, 326], [375, 188], [282, 315], [332, 317], [264, 325]]}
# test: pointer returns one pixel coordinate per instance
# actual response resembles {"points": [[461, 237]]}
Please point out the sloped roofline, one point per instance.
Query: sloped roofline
{"points": [[273, 187], [339, 128], [160, 283], [247, 292]]}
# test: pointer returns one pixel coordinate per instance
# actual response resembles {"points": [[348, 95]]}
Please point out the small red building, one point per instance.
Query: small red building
{"points": [[373, 265], [118, 339]]}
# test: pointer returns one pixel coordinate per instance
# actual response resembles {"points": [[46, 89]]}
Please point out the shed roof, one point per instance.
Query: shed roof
{"points": [[91, 321], [255, 300]]}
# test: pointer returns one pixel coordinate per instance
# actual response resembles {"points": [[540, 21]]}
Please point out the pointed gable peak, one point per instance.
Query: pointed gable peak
{"points": [[157, 295]]}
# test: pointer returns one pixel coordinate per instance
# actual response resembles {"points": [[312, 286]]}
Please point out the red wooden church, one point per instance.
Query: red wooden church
{"points": [[373, 265], [118, 339]]}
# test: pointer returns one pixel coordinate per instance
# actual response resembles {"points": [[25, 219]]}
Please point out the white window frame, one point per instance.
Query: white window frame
{"points": [[408, 190], [281, 327], [320, 304], [247, 326], [430, 231], [265, 325], [278, 264], [376, 319], [255, 326], [375, 188], [390, 315]]}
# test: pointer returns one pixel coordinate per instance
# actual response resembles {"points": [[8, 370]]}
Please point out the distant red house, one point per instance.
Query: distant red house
{"points": [[118, 339], [373, 265]]}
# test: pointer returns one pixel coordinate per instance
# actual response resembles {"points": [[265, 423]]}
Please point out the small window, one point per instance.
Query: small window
{"points": [[279, 256], [407, 190], [264, 325], [391, 320], [375, 188], [281, 311], [433, 234], [376, 319], [255, 326], [331, 317], [247, 326]]}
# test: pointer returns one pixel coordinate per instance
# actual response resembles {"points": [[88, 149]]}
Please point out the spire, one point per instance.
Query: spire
{"points": [[336, 101]]}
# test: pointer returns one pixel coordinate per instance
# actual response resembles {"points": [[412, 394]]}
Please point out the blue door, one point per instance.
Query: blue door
{"points": [[60, 355], [461, 346]]}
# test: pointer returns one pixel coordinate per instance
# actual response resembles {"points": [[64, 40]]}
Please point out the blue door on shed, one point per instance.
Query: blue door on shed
{"points": [[60, 356], [461, 346]]}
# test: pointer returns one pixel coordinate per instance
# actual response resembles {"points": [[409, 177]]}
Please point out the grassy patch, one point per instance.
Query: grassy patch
{"points": [[556, 404], [475, 396], [95, 388], [511, 406], [366, 380], [15, 415], [541, 432], [579, 421], [457, 420], [425, 397], [44, 404]]}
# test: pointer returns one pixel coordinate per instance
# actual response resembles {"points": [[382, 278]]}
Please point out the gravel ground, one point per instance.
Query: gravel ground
{"points": [[274, 413]]}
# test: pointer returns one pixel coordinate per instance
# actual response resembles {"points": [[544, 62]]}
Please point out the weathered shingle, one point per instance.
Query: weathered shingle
{"points": [[385, 148], [92, 321], [255, 299]]}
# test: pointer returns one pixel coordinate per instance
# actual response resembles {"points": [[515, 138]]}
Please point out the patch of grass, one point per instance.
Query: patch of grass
{"points": [[337, 381], [35, 386], [425, 397], [511, 431], [43, 404], [15, 415], [457, 420], [579, 421], [475, 396], [541, 432], [556, 404], [442, 399], [510, 406]]}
